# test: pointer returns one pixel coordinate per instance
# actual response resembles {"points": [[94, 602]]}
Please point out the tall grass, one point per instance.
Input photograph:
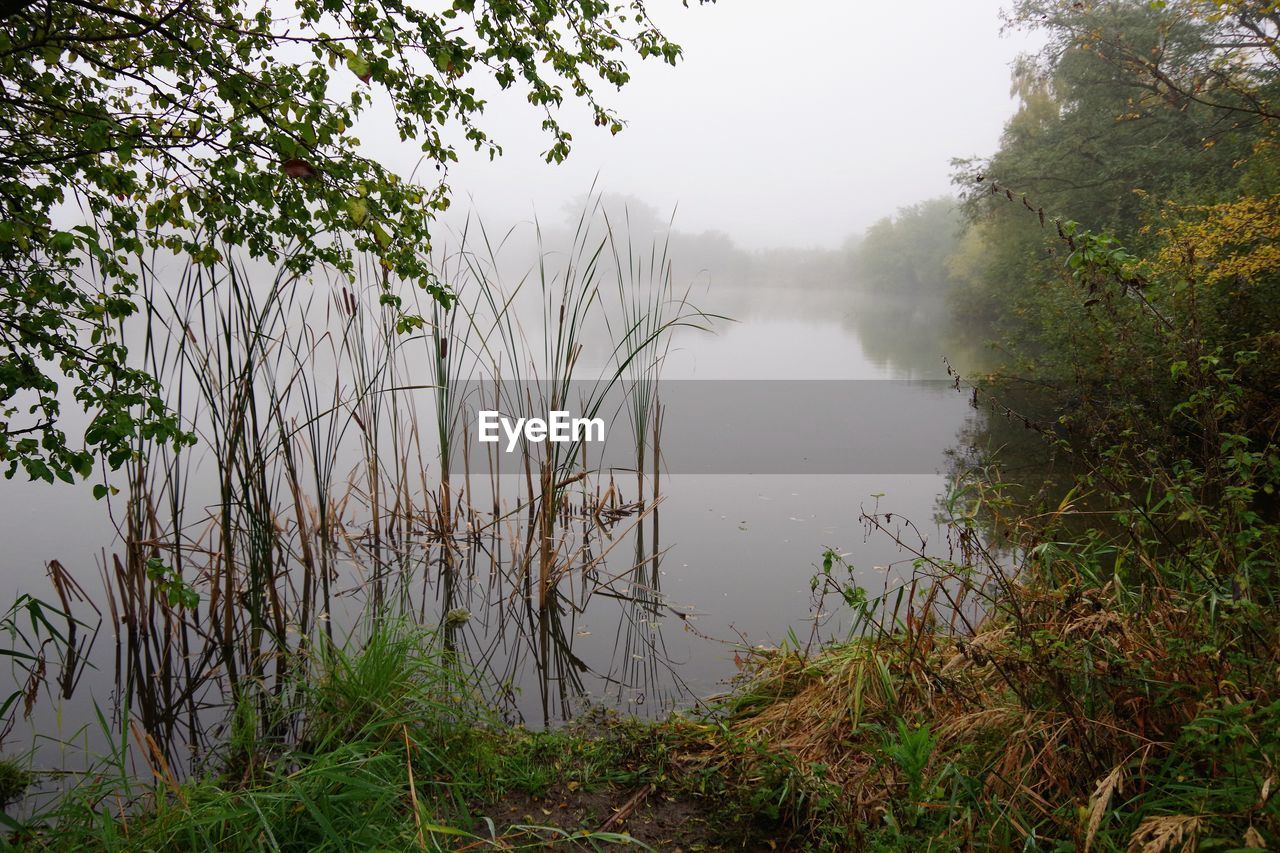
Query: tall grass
{"points": [[315, 500], [393, 752], [1092, 671]]}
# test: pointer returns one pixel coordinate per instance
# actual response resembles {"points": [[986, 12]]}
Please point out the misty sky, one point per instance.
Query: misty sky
{"points": [[790, 123]]}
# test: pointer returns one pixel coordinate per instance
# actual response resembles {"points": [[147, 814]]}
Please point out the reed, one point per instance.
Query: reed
{"points": [[395, 747], [307, 505]]}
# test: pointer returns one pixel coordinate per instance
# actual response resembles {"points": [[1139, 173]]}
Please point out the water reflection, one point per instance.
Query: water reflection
{"points": [[308, 506]]}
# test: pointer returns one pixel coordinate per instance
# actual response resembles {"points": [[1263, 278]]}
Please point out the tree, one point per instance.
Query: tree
{"points": [[1098, 135], [199, 127], [1133, 112], [1232, 70], [899, 271], [905, 256]]}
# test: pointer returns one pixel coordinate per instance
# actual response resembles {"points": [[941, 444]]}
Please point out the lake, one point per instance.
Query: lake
{"points": [[654, 609]]}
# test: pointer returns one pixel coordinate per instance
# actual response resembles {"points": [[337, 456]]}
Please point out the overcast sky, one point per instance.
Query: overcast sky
{"points": [[792, 123]]}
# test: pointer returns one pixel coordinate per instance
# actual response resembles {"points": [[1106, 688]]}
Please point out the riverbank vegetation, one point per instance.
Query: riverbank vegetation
{"points": [[1094, 664], [398, 751], [1097, 667]]}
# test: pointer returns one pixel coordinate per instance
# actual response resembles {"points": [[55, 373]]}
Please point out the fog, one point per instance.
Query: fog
{"points": [[785, 125]]}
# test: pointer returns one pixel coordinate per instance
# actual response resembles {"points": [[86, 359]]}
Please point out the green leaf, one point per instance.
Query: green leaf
{"points": [[62, 241], [358, 65], [358, 210]]}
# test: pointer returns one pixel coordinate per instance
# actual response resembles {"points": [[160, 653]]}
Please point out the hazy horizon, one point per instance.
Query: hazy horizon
{"points": [[779, 130]]}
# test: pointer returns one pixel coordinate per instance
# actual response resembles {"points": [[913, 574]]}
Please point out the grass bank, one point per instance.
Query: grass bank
{"points": [[1097, 670], [394, 750], [1077, 715]]}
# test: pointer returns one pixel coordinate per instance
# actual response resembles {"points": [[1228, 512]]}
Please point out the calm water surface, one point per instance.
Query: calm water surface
{"points": [[725, 560]]}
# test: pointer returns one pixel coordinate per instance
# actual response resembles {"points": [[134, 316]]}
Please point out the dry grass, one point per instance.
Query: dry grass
{"points": [[1058, 714]]}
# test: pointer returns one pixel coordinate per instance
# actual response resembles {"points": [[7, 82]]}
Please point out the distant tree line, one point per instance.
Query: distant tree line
{"points": [[1144, 145]]}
